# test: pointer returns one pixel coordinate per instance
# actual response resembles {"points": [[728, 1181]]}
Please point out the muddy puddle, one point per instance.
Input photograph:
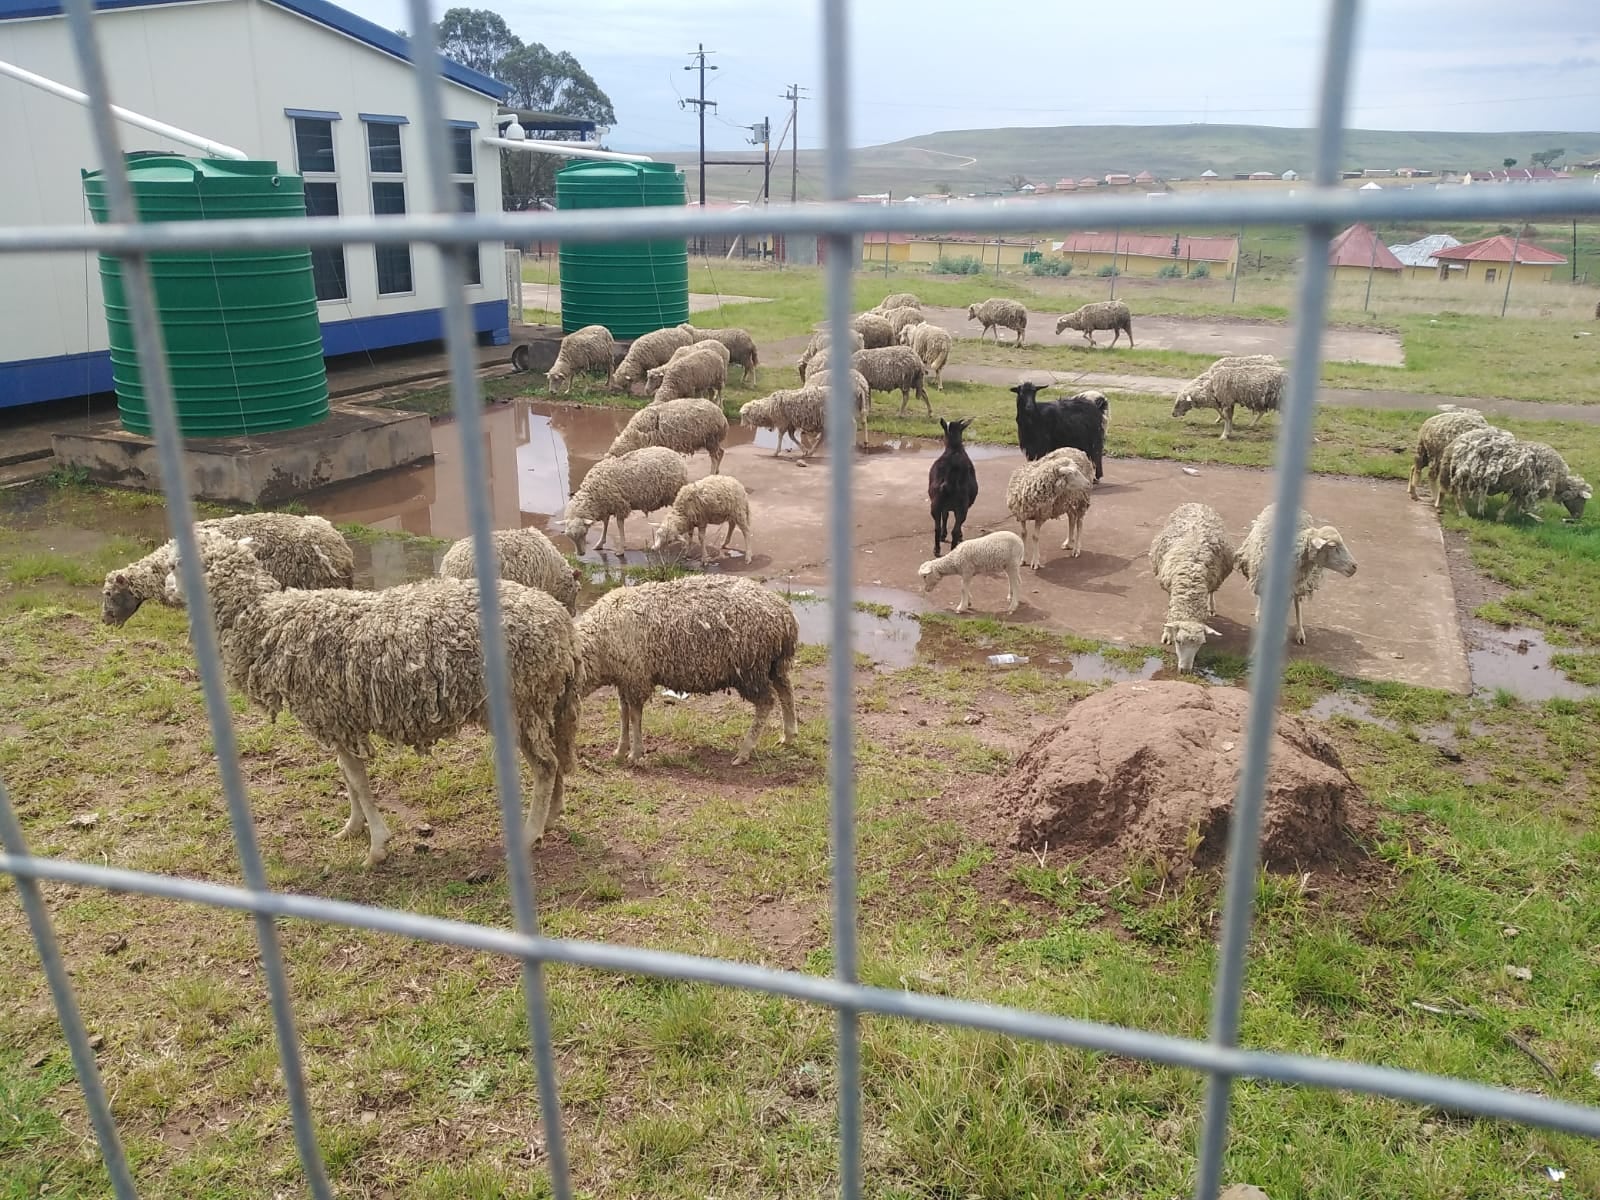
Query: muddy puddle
{"points": [[883, 624], [1518, 661]]}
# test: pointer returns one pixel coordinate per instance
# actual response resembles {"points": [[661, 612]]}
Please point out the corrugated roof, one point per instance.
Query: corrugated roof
{"points": [[1358, 246], [1151, 245], [1499, 249], [1421, 253]]}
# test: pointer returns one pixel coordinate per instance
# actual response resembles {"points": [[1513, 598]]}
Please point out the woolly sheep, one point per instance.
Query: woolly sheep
{"points": [[1433, 436], [701, 373], [1056, 485], [800, 414], [523, 556], [897, 300], [639, 481], [816, 351], [894, 368], [300, 552], [714, 500], [932, 346], [741, 348], [1191, 557], [986, 555], [654, 376], [699, 634], [1253, 382], [588, 349], [1317, 548], [1101, 314], [899, 318], [684, 425], [404, 664], [998, 313], [649, 350], [1487, 462], [858, 384], [874, 328]]}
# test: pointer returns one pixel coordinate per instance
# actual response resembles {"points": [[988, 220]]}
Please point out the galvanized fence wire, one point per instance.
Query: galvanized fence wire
{"points": [[1319, 208]]}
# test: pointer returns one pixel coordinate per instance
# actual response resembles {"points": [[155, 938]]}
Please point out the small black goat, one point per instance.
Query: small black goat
{"points": [[1075, 421], [952, 484]]}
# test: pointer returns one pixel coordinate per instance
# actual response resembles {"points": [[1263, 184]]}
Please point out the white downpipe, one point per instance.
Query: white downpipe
{"points": [[127, 116], [565, 149]]}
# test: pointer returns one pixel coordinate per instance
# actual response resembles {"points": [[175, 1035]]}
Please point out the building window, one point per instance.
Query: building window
{"points": [[315, 160], [461, 149], [383, 148], [461, 167], [1490, 274], [386, 159]]}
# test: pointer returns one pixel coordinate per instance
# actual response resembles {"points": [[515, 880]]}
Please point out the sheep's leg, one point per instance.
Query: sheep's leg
{"points": [[1299, 623], [1089, 336], [355, 771], [544, 804], [926, 403], [905, 399], [1227, 423], [791, 727], [716, 459], [965, 602], [624, 713], [358, 818], [763, 709], [1217, 420], [1014, 588], [1257, 421], [622, 536], [637, 751]]}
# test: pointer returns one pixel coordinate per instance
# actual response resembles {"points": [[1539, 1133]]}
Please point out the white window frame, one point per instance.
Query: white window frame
{"points": [[471, 177], [368, 120], [295, 116]]}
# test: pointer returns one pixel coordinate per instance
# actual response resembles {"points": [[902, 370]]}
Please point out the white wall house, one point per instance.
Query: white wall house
{"points": [[324, 93]]}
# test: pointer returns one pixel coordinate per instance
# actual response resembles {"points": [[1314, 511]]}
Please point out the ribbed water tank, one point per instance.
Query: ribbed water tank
{"points": [[629, 287], [242, 336]]}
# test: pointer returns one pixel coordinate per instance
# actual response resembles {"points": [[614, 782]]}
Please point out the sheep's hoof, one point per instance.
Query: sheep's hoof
{"points": [[961, 608], [376, 855], [351, 828], [741, 758]]}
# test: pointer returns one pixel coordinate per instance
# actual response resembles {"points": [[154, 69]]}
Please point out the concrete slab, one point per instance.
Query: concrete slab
{"points": [[261, 469]]}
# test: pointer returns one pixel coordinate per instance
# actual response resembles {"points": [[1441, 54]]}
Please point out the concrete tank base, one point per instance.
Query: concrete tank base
{"points": [[263, 469]]}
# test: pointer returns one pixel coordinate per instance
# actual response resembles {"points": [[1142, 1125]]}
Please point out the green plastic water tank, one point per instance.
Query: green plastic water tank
{"points": [[629, 287], [242, 336]]}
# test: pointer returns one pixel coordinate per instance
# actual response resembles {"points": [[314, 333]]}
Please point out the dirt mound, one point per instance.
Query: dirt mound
{"points": [[1149, 770]]}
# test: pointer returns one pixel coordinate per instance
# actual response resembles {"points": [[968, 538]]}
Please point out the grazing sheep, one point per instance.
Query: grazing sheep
{"points": [[1254, 382], [874, 328], [894, 368], [1102, 314], [1317, 548], [800, 414], [899, 318], [639, 481], [1056, 485], [714, 500], [404, 664], [684, 425], [897, 300], [741, 348], [1486, 462], [932, 346], [523, 556], [952, 484], [649, 350], [702, 372], [1191, 557], [654, 376], [299, 552], [986, 555], [998, 313], [699, 634], [858, 385], [1078, 421], [816, 352], [588, 349], [1433, 436]]}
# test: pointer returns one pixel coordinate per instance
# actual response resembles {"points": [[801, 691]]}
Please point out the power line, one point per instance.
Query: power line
{"points": [[793, 97], [701, 105]]}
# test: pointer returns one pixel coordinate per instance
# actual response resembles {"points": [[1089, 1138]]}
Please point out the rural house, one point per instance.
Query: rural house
{"points": [[1489, 259], [1418, 258], [322, 92], [1357, 251], [1147, 253]]}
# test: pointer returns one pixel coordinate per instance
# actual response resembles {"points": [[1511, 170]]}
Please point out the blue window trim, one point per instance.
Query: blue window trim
{"points": [[383, 119], [311, 114], [462, 124]]}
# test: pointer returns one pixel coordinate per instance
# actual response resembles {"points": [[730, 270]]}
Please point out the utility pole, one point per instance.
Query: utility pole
{"points": [[793, 97], [762, 133], [701, 104]]}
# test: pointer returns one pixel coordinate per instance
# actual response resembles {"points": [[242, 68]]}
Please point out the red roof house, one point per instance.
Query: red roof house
{"points": [[1498, 250], [1359, 248]]}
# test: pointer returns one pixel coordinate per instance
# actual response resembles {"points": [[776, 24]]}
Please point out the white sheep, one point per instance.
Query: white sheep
{"points": [[649, 350], [932, 345], [588, 349], [859, 388], [897, 300], [1487, 462], [699, 634], [1192, 557], [1101, 314], [685, 425], [701, 372], [801, 414], [998, 313], [986, 555], [740, 345], [894, 368], [1317, 548], [1055, 485], [1433, 436], [523, 556], [714, 500], [639, 481], [899, 318], [301, 552], [404, 664], [1253, 382], [874, 328], [815, 355]]}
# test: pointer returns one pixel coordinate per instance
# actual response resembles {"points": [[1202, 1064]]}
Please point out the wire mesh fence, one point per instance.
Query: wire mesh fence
{"points": [[1318, 209]]}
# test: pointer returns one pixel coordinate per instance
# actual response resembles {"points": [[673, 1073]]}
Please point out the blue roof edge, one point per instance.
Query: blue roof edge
{"points": [[320, 11]]}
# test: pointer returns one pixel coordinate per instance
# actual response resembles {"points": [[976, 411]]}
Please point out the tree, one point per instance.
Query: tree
{"points": [[942, 188], [1508, 163], [552, 83], [1016, 182], [1546, 158], [476, 38]]}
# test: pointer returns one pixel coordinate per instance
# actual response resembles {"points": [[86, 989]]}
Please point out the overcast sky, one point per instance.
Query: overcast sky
{"points": [[966, 64]]}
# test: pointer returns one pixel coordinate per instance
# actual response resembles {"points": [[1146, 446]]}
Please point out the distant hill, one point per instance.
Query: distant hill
{"points": [[979, 160]]}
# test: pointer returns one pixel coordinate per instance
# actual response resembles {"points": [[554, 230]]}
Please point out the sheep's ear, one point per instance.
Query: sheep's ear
{"points": [[1166, 635], [121, 580], [1587, 493], [1317, 541], [1213, 632]]}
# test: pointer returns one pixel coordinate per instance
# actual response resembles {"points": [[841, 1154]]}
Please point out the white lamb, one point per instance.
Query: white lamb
{"points": [[1055, 485], [1191, 557], [588, 349], [1317, 548], [685, 425], [639, 481], [523, 556], [986, 555], [714, 500], [932, 345]]}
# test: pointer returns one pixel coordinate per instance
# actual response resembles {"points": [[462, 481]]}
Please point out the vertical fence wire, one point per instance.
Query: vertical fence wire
{"points": [[467, 405], [150, 352], [1272, 625]]}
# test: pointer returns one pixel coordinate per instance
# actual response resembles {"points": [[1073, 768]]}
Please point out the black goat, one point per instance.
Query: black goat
{"points": [[1075, 421], [952, 484]]}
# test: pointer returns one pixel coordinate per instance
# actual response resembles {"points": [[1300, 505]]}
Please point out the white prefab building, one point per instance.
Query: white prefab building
{"points": [[327, 95]]}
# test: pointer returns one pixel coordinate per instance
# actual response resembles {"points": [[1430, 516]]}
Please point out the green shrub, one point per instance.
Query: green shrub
{"points": [[1200, 271], [965, 265], [1052, 266], [1107, 271], [1170, 271]]}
